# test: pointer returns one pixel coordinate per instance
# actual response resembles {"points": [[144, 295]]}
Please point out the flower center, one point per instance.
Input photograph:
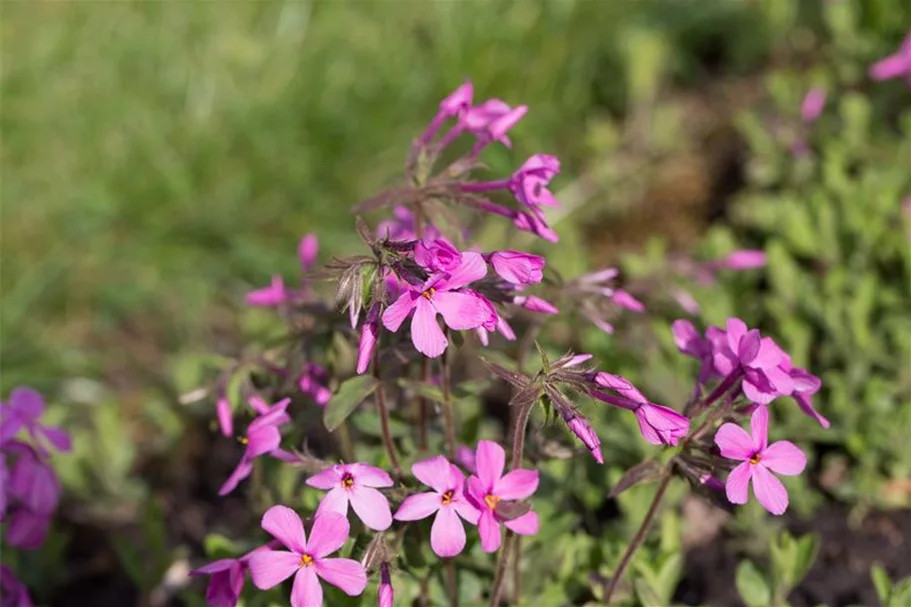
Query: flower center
{"points": [[243, 440], [446, 499], [428, 293], [755, 459], [491, 501], [347, 481], [306, 560]]}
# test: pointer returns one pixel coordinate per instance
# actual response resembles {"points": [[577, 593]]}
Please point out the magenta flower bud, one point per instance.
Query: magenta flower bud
{"points": [[625, 300], [465, 457], [581, 428], [368, 338], [621, 386], [896, 65], [534, 223], [518, 268], [459, 101], [225, 416], [307, 251], [529, 183], [498, 128], [385, 594], [437, 255], [577, 360], [269, 297], [813, 104], [661, 425], [744, 259], [535, 304], [27, 529]]}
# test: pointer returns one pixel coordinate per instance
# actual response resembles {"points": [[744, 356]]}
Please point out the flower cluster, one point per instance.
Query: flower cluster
{"points": [[29, 487]]}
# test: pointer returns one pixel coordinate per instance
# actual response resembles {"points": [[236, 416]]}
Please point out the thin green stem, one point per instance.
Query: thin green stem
{"points": [[384, 415]]}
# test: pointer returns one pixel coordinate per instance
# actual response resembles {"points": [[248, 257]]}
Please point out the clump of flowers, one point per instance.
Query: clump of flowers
{"points": [[422, 293], [29, 488]]}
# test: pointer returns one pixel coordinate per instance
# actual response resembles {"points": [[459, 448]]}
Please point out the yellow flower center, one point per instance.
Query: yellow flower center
{"points": [[428, 293], [447, 498], [347, 481], [491, 501], [243, 440], [306, 560], [755, 458]]}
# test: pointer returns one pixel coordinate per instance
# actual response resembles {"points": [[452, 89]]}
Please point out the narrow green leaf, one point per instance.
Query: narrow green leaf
{"points": [[350, 394], [752, 586], [881, 582]]}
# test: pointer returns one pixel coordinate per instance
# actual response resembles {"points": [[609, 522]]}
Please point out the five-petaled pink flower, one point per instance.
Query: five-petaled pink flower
{"points": [[517, 268], [437, 255], [491, 486], [262, 437], [759, 459], [447, 500], [226, 579], [23, 410], [306, 560], [529, 183], [355, 484], [759, 359], [440, 295]]}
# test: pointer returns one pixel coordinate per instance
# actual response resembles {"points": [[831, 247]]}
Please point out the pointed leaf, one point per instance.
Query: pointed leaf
{"points": [[752, 586], [644, 472], [350, 394]]}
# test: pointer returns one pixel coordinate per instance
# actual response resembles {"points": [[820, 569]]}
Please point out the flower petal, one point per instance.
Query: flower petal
{"points": [[734, 442], [418, 506], [327, 479], [806, 405], [395, 315], [738, 484], [335, 501], [489, 529], [272, 567], [285, 525], [225, 416], [517, 485], [370, 476], [242, 471], [26, 529], [759, 428], [447, 535], [27, 402], [736, 329], [426, 335], [262, 440], [769, 491], [330, 531], [435, 472], [306, 591], [490, 460], [768, 355], [371, 507], [527, 524], [472, 268], [215, 567], [467, 511], [345, 574], [461, 311], [784, 457]]}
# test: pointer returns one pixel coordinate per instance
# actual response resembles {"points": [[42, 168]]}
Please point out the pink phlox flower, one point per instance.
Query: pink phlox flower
{"points": [[269, 297], [306, 560], [32, 481], [533, 221], [447, 500], [689, 341], [813, 104], [369, 334], [307, 251], [529, 183], [490, 486], [25, 528], [758, 358], [759, 460], [226, 579], [805, 386], [355, 484], [518, 268], [453, 106], [262, 437], [314, 382], [13, 591], [437, 255], [24, 410], [441, 294], [489, 122], [534, 303], [584, 432], [659, 425], [465, 457], [896, 65], [385, 594]]}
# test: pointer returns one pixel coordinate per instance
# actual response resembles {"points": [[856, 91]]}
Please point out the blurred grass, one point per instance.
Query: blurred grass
{"points": [[160, 158]]}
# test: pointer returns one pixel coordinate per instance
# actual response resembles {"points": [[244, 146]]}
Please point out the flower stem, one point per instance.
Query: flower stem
{"points": [[384, 415], [420, 406], [518, 446], [451, 583], [639, 538], [448, 420]]}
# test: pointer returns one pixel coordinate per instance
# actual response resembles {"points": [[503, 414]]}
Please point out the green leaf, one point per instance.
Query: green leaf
{"points": [[669, 577], [881, 582], [807, 549], [427, 390], [350, 394], [752, 586]]}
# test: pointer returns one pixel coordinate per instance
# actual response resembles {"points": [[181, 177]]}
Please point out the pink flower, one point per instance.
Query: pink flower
{"points": [[262, 437], [27, 529], [306, 560], [385, 594], [32, 481], [517, 267], [535, 304], [585, 433], [689, 341], [625, 300], [314, 382], [534, 223], [307, 251], [369, 333], [813, 104], [490, 121], [455, 105], [658, 424], [759, 461], [740, 349], [437, 255], [23, 410], [529, 183], [491, 486], [805, 386], [269, 297], [440, 295], [227, 578], [14, 592], [465, 457], [355, 484], [447, 500], [895, 65], [225, 415]]}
